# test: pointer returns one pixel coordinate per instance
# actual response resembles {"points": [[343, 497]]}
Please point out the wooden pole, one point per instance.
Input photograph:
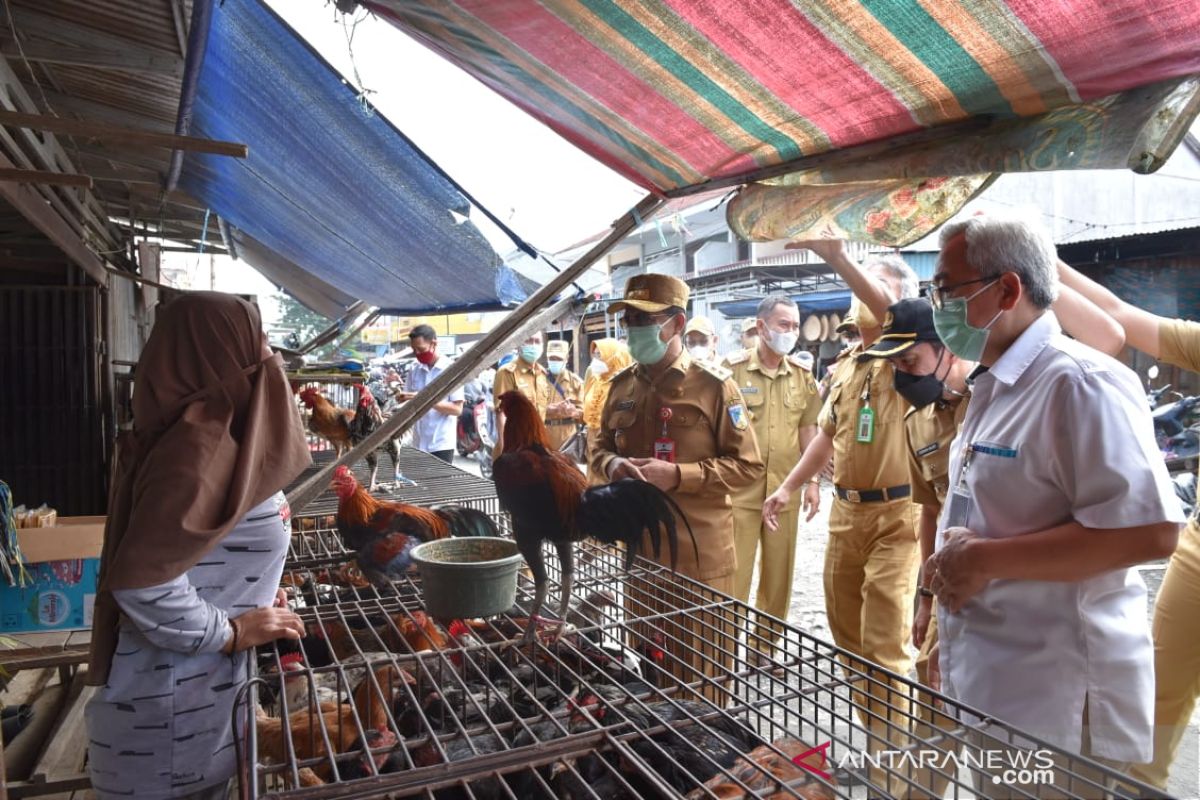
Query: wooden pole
{"points": [[90, 129], [516, 323], [45, 176]]}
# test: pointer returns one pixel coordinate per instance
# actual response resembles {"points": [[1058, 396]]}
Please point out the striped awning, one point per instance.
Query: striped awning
{"points": [[679, 93]]}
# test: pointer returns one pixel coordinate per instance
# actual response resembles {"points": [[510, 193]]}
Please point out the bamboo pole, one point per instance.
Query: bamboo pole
{"points": [[512, 325]]}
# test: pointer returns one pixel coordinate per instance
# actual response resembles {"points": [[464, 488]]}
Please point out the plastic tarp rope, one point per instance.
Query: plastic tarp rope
{"points": [[330, 186]]}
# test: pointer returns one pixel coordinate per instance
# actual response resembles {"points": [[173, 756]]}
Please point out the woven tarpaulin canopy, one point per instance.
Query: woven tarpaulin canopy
{"points": [[680, 94], [330, 187]]}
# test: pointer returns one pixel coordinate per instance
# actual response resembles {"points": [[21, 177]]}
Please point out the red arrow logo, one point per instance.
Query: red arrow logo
{"points": [[822, 749]]}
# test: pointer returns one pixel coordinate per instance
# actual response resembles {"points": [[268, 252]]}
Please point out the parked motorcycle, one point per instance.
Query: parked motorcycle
{"points": [[1185, 490], [1174, 418], [475, 426], [1155, 396], [1182, 451]]}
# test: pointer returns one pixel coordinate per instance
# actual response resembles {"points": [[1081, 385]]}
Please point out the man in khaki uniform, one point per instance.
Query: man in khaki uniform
{"points": [[872, 557], [681, 425], [749, 334], [700, 339], [781, 397], [566, 394], [934, 381], [526, 375]]}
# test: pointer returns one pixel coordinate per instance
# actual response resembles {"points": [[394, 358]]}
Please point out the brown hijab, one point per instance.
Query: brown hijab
{"points": [[215, 433]]}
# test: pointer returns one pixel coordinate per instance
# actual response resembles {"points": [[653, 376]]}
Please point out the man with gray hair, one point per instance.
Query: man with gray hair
{"points": [[1056, 490], [782, 402]]}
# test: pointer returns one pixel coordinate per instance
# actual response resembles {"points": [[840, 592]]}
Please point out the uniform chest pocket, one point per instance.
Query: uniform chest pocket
{"points": [[622, 420]]}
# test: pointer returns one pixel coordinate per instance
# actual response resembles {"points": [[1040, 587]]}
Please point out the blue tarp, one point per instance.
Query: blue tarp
{"points": [[329, 186], [810, 303]]}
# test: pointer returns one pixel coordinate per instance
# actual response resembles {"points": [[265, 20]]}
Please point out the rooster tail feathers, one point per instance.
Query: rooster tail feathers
{"points": [[464, 521], [625, 510]]}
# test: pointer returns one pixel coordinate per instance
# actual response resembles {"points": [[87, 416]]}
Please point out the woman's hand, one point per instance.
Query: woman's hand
{"points": [[264, 625]]}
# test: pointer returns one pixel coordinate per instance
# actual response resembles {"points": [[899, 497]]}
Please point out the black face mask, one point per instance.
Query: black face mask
{"points": [[921, 390]]}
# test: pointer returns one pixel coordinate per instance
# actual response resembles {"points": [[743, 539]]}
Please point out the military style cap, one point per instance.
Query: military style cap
{"points": [[749, 325], [557, 348], [907, 323], [699, 325], [652, 293], [849, 321]]}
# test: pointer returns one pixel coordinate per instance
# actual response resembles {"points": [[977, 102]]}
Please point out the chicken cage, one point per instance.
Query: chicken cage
{"points": [[655, 688]]}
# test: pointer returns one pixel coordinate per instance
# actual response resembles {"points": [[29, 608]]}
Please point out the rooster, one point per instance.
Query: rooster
{"points": [[383, 534], [344, 428], [549, 500]]}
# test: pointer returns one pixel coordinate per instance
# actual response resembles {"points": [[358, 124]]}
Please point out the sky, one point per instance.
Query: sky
{"points": [[549, 192]]}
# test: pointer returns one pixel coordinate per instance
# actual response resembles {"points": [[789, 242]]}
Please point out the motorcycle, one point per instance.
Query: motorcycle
{"points": [[1182, 450], [475, 426], [1155, 396], [1174, 418], [1185, 490]]}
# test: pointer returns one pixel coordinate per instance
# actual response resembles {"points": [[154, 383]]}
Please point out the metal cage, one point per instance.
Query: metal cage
{"points": [[657, 688]]}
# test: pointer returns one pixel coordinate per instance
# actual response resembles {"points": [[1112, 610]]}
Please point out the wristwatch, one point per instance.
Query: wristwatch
{"points": [[921, 590]]}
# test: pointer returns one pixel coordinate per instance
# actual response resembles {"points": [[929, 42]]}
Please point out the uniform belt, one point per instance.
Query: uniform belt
{"points": [[560, 422], [873, 495]]}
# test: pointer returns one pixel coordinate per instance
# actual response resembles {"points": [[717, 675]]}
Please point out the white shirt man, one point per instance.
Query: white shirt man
{"points": [[437, 431]]}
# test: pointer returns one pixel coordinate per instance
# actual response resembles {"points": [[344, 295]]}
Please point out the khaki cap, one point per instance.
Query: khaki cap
{"points": [[749, 325], [652, 293], [700, 325], [557, 348]]}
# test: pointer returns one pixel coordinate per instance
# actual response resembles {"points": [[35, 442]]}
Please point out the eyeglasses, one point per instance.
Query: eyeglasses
{"points": [[938, 294]]}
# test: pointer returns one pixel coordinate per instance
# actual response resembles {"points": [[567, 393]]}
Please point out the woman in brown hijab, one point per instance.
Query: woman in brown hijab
{"points": [[193, 551]]}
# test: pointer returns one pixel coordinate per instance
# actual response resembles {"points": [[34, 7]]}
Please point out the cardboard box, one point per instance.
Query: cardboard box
{"points": [[64, 563]]}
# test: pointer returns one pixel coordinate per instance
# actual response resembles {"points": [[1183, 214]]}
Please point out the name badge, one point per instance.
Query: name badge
{"points": [[927, 449], [749, 390], [864, 432], [959, 510], [624, 405]]}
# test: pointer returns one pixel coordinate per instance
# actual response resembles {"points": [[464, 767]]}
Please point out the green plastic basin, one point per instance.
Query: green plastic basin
{"points": [[474, 576]]}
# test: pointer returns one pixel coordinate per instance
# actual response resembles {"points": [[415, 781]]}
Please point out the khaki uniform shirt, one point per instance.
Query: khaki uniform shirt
{"points": [[572, 388], [883, 463], [530, 380], [780, 403], [930, 431], [714, 448], [1179, 344]]}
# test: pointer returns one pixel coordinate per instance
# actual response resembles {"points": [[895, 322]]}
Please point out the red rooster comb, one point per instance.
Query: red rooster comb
{"points": [[458, 629], [288, 660], [342, 473]]}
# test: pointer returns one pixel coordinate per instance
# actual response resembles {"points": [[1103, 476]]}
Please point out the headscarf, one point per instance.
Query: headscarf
{"points": [[215, 433], [595, 387]]}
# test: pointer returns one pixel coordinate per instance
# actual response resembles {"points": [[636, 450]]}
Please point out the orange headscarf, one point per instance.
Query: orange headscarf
{"points": [[215, 432], [595, 388]]}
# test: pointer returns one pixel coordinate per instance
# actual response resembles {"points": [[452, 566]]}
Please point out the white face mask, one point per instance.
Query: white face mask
{"points": [[699, 351], [782, 343], [598, 367]]}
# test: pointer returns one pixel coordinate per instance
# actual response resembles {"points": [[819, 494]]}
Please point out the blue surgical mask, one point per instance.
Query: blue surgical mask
{"points": [[645, 345], [556, 367], [531, 353], [961, 337]]}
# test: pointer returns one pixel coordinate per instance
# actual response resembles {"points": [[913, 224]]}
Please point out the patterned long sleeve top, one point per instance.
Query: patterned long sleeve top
{"points": [[161, 726]]}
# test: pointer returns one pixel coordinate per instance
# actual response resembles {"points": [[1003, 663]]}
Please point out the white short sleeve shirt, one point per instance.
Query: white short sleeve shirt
{"points": [[434, 431], [1057, 431]]}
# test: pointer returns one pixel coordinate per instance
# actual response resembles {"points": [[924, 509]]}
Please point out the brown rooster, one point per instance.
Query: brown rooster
{"points": [[766, 773], [330, 422], [549, 500], [383, 534]]}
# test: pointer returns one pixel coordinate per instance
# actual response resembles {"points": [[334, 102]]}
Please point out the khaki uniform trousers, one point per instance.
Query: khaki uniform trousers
{"points": [[696, 647], [1176, 656], [775, 571], [559, 433], [870, 577]]}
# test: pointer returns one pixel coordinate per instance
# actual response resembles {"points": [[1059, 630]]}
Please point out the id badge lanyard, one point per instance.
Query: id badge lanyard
{"points": [[864, 431], [961, 501], [664, 445]]}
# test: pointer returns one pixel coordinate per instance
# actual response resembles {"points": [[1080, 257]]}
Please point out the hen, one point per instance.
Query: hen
{"points": [[549, 500], [330, 422], [383, 534]]}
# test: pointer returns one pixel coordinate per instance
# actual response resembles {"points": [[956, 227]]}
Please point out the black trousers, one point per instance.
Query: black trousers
{"points": [[444, 455]]}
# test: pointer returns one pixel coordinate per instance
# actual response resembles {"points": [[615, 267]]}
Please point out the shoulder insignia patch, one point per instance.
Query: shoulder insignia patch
{"points": [[737, 357], [716, 370], [738, 416]]}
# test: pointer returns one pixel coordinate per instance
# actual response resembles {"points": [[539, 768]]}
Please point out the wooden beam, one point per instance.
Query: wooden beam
{"points": [[99, 171], [91, 109], [125, 60], [133, 159], [515, 324], [47, 220], [115, 133], [45, 176]]}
